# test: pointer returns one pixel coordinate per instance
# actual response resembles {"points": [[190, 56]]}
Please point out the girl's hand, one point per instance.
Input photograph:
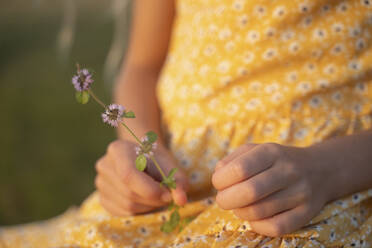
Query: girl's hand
{"points": [[124, 190], [277, 188]]}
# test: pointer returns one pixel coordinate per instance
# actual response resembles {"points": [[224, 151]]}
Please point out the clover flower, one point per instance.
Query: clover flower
{"points": [[113, 114], [146, 148], [83, 80]]}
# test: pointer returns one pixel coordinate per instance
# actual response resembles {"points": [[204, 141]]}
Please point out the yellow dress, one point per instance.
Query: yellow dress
{"points": [[294, 72]]}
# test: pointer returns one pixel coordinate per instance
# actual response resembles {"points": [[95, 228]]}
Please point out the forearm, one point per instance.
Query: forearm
{"points": [[136, 90], [348, 162]]}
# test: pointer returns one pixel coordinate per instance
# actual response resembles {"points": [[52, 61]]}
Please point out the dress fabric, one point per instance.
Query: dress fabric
{"points": [[293, 72]]}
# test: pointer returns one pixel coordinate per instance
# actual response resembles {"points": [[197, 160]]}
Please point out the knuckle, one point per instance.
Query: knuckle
{"points": [[254, 213], [271, 148], [239, 213], [252, 191], [153, 194], [113, 146], [238, 169], [99, 165], [126, 175], [306, 191], [291, 169]]}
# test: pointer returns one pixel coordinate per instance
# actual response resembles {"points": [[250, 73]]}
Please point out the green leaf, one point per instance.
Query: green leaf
{"points": [[141, 162], [172, 172], [169, 182], [175, 218], [184, 222], [82, 96], [166, 227], [129, 114], [151, 136]]}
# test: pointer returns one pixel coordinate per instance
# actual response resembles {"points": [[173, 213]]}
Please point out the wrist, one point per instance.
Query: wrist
{"points": [[327, 171]]}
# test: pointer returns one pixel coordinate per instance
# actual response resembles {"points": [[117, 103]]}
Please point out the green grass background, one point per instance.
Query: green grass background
{"points": [[48, 142]]}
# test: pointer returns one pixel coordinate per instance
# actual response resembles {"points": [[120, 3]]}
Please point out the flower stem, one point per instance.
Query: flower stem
{"points": [[151, 157], [158, 167], [96, 98], [131, 132]]}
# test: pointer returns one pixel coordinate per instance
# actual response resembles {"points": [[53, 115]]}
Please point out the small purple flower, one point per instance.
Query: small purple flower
{"points": [[83, 80], [146, 149], [113, 114]]}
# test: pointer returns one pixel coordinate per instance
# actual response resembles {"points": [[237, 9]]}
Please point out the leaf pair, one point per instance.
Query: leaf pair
{"points": [[170, 181]]}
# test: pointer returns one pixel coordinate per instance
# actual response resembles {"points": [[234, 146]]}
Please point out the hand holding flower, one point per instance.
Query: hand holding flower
{"points": [[124, 187], [124, 190]]}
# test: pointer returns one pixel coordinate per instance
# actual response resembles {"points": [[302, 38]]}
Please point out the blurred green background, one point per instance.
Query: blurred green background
{"points": [[48, 142]]}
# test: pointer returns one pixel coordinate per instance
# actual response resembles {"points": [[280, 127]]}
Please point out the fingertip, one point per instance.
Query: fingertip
{"points": [[179, 196]]}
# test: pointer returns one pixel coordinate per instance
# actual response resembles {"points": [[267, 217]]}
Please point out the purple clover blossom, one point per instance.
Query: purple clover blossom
{"points": [[83, 80], [146, 148], [113, 114]]}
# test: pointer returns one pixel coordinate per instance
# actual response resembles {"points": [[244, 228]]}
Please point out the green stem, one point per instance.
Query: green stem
{"points": [[151, 157], [158, 167], [96, 98], [131, 132]]}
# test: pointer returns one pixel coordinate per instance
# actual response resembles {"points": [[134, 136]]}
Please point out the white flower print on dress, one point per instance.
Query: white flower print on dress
{"points": [[204, 70], [269, 54], [260, 10], [366, 3], [304, 87], [337, 27], [248, 57], [270, 32], [319, 34], [337, 49], [224, 34], [294, 47], [224, 66], [242, 20], [238, 5], [279, 12], [306, 22], [252, 36], [253, 104], [315, 101]]}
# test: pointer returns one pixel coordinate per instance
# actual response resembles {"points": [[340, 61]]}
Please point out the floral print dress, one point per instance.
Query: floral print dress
{"points": [[294, 72]]}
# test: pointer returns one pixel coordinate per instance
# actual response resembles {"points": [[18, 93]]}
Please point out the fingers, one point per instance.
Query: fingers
{"points": [[115, 203], [107, 173], [272, 205], [252, 190], [139, 182], [243, 167], [239, 151], [285, 222]]}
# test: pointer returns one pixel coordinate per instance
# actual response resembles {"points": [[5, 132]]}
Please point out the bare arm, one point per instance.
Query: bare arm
{"points": [[135, 89], [349, 160]]}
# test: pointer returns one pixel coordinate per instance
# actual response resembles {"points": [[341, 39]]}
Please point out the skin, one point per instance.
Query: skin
{"points": [[279, 188], [282, 188], [123, 190]]}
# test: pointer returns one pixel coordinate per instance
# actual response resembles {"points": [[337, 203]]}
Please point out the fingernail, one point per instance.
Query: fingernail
{"points": [[166, 197]]}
